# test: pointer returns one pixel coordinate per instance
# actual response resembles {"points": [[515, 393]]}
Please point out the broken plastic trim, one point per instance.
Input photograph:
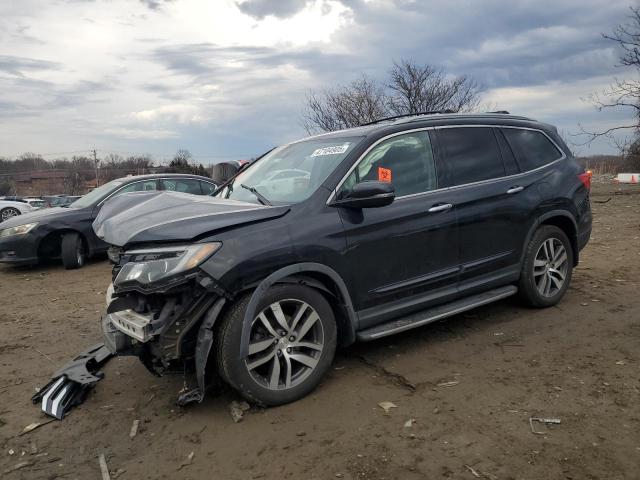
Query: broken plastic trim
{"points": [[69, 385], [203, 348]]}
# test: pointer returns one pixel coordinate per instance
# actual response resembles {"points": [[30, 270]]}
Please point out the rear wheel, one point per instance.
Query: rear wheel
{"points": [[7, 213], [547, 268], [292, 341], [72, 251]]}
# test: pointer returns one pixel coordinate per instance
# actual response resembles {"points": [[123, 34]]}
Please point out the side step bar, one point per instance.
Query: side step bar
{"points": [[436, 313]]}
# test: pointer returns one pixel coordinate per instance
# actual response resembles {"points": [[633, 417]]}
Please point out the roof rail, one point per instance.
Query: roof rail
{"points": [[386, 119], [502, 112]]}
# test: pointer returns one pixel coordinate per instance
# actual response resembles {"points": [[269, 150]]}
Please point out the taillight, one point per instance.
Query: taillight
{"points": [[585, 178]]}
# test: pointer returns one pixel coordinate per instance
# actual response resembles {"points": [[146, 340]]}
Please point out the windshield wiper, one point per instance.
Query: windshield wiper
{"points": [[263, 200]]}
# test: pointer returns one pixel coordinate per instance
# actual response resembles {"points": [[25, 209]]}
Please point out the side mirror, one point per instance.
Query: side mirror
{"points": [[367, 195]]}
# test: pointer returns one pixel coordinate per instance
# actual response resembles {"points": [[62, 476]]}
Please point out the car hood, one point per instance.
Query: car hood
{"points": [[173, 216], [44, 215]]}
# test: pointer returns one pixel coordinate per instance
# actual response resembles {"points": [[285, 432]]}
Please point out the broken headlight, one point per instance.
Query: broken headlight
{"points": [[147, 266]]}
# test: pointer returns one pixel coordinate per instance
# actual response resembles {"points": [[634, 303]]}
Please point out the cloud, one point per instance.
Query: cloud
{"points": [[129, 133], [18, 66], [231, 77], [179, 113], [155, 4], [260, 9]]}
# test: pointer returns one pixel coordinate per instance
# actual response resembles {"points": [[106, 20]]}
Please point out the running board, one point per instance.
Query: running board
{"points": [[436, 313]]}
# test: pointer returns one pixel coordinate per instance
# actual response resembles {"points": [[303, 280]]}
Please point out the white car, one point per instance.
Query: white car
{"points": [[36, 203], [10, 208]]}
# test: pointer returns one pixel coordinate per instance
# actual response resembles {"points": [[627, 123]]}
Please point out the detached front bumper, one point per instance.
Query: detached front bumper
{"points": [[69, 385]]}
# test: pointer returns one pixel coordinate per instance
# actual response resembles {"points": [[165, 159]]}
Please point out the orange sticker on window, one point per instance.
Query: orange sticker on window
{"points": [[384, 175]]}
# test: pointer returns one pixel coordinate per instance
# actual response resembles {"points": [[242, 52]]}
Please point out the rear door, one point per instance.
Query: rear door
{"points": [[404, 255], [492, 202]]}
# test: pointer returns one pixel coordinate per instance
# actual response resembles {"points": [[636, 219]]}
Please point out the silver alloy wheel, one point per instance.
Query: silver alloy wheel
{"points": [[550, 267], [9, 212], [285, 344]]}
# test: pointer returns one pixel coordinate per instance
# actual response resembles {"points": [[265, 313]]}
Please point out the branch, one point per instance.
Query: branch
{"points": [[606, 133]]}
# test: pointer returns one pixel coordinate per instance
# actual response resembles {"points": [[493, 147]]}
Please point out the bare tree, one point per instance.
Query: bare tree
{"points": [[623, 93], [409, 89], [347, 106], [79, 170], [424, 88], [182, 163]]}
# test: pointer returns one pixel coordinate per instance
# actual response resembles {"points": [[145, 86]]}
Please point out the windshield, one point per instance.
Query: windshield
{"points": [[94, 196], [291, 173]]}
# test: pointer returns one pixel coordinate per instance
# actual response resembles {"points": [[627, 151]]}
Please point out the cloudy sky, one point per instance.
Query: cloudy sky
{"points": [[227, 79]]}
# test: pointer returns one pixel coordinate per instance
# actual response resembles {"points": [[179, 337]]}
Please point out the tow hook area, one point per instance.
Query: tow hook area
{"points": [[69, 385]]}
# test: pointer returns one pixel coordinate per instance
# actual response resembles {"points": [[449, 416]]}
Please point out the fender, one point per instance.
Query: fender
{"points": [[250, 313], [545, 216], [203, 348]]}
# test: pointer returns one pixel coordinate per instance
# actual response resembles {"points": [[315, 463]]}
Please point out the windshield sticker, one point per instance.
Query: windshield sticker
{"points": [[334, 150], [384, 175]]}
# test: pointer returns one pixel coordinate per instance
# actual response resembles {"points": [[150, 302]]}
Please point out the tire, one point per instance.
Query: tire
{"points": [[546, 270], [72, 251], [300, 368], [8, 212]]}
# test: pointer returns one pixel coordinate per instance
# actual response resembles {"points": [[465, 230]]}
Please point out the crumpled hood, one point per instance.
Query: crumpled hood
{"points": [[173, 216], [45, 214]]}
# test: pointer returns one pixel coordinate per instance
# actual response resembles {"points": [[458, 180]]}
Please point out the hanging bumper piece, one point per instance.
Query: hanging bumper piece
{"points": [[69, 385]]}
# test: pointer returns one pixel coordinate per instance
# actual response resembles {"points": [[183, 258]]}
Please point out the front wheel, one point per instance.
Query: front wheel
{"points": [[547, 268], [292, 341], [72, 251]]}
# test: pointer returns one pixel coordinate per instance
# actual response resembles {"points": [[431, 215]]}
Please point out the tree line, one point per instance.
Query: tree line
{"points": [[80, 169]]}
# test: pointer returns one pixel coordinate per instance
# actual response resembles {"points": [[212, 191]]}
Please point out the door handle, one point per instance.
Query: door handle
{"points": [[515, 190], [441, 207]]}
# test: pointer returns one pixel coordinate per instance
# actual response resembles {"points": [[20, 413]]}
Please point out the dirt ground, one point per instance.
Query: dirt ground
{"points": [[470, 384]]}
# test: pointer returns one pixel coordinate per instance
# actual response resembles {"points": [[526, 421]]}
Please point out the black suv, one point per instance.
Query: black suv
{"points": [[351, 235]]}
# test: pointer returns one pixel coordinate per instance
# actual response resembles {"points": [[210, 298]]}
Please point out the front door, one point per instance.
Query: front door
{"points": [[404, 255]]}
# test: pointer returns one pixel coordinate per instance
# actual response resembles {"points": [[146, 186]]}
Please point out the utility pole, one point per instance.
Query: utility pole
{"points": [[95, 160]]}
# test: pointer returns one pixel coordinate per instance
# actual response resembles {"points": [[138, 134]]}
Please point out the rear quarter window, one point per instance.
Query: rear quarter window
{"points": [[532, 148]]}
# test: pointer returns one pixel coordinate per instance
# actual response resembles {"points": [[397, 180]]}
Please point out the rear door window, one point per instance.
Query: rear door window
{"points": [[145, 186], [185, 185], [532, 148], [471, 154]]}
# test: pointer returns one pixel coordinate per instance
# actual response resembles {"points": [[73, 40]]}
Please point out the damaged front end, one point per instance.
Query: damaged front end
{"points": [[161, 308]]}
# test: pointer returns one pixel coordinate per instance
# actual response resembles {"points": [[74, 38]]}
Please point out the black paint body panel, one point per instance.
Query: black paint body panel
{"points": [[393, 260]]}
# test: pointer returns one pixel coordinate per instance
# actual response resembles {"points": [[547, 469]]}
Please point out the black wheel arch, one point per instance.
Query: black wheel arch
{"points": [[52, 242], [314, 275], [562, 219]]}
